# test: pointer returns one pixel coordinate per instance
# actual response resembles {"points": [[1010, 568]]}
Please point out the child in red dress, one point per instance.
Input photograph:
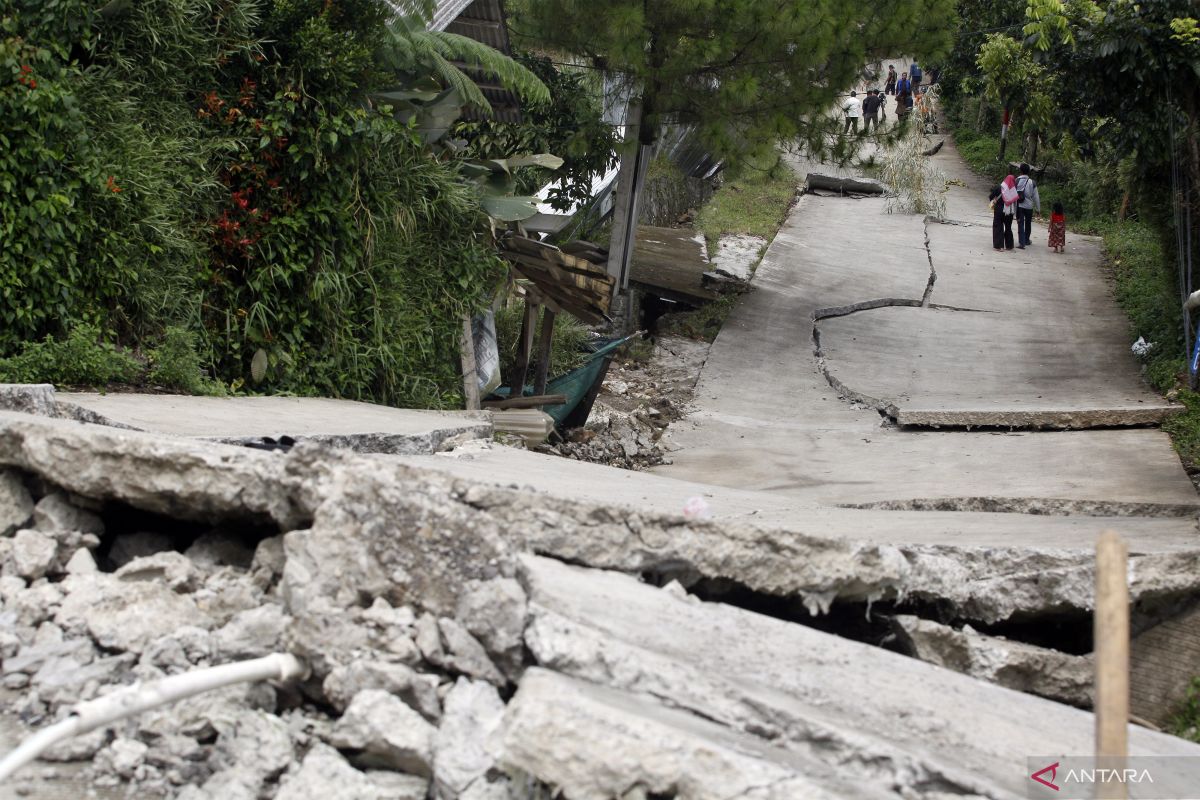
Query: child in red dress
{"points": [[1058, 229]]}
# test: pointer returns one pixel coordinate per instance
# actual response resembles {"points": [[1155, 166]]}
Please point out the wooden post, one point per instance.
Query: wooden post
{"points": [[469, 367], [1111, 634], [544, 344], [524, 348]]}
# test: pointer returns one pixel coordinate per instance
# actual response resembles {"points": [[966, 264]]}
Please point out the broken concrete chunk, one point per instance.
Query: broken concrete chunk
{"points": [[347, 681], [16, 506], [494, 612], [473, 710], [32, 553], [251, 633], [1024, 667], [268, 561], [800, 688], [386, 733], [220, 549], [55, 513], [336, 568], [325, 774], [429, 639], [554, 727], [140, 544], [81, 563], [126, 616], [398, 786], [169, 568], [255, 742], [123, 757], [464, 654], [77, 748]]}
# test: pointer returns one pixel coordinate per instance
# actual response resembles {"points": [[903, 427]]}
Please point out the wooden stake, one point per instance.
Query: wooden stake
{"points": [[544, 343], [469, 368], [1112, 660], [521, 369]]}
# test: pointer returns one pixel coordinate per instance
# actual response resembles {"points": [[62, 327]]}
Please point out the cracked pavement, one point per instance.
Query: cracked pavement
{"points": [[804, 385]]}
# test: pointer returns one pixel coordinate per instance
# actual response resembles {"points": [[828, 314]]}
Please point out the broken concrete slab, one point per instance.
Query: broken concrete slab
{"points": [[16, 506], [924, 729], [1023, 667], [349, 424], [384, 732], [749, 439], [1033, 369], [416, 536], [554, 724], [960, 522]]}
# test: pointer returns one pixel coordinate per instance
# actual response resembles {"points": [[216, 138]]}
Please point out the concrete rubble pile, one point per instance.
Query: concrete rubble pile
{"points": [[448, 661]]}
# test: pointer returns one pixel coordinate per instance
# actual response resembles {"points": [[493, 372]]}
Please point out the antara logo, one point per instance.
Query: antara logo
{"points": [[1053, 770], [1091, 776]]}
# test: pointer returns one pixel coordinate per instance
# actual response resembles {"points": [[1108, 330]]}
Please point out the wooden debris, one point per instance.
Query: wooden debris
{"points": [[530, 401], [815, 181], [530, 424]]}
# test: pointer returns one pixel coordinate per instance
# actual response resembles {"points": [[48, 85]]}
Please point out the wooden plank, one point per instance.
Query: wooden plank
{"points": [[532, 401], [1111, 636], [544, 344], [469, 368], [538, 250], [524, 346], [567, 280], [671, 259]]}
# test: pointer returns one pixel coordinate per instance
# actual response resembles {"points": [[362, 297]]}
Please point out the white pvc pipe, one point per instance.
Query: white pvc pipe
{"points": [[137, 698]]}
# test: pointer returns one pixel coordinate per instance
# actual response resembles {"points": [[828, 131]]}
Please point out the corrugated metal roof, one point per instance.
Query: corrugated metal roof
{"points": [[446, 12]]}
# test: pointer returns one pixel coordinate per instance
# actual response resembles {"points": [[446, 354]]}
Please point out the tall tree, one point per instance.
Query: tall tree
{"points": [[748, 73]]}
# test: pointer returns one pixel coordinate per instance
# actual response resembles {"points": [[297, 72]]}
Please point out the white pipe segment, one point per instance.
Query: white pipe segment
{"points": [[135, 699]]}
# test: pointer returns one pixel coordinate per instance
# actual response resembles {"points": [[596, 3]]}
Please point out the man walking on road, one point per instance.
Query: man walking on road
{"points": [[903, 86], [890, 86], [915, 75], [1029, 201], [870, 109], [853, 109]]}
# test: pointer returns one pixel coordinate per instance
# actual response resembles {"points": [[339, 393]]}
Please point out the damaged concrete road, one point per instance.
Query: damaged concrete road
{"points": [[362, 427], [768, 419], [368, 526], [816, 708]]}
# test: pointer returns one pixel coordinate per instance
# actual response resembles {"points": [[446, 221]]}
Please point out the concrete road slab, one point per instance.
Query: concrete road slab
{"points": [[578, 480], [936, 367], [811, 692], [767, 418], [358, 426]]}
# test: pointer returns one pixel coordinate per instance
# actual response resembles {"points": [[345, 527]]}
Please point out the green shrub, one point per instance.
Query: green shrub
{"points": [[1186, 722], [83, 358], [566, 348], [175, 364]]}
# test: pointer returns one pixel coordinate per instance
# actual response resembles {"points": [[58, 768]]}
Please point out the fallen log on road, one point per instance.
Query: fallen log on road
{"points": [[816, 181]]}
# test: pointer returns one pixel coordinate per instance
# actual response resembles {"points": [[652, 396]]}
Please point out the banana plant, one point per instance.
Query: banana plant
{"points": [[497, 184]]}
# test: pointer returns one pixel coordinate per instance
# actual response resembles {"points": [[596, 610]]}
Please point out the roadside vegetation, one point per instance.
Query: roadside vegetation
{"points": [[1112, 172], [755, 200]]}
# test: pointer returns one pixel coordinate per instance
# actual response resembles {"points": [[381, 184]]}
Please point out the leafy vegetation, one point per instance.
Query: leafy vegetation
{"points": [[759, 72], [702, 324], [245, 181], [1111, 171], [753, 200], [1186, 722], [567, 350], [83, 358]]}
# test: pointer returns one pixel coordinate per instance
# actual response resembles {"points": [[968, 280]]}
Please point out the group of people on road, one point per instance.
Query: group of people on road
{"points": [[872, 109], [1017, 198]]}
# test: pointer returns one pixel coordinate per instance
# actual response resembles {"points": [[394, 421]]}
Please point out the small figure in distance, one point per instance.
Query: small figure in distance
{"points": [[890, 86], [853, 109], [1058, 229]]}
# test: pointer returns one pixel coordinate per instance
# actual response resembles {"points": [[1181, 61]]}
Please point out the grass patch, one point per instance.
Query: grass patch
{"points": [[754, 202], [87, 357], [1186, 722]]}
